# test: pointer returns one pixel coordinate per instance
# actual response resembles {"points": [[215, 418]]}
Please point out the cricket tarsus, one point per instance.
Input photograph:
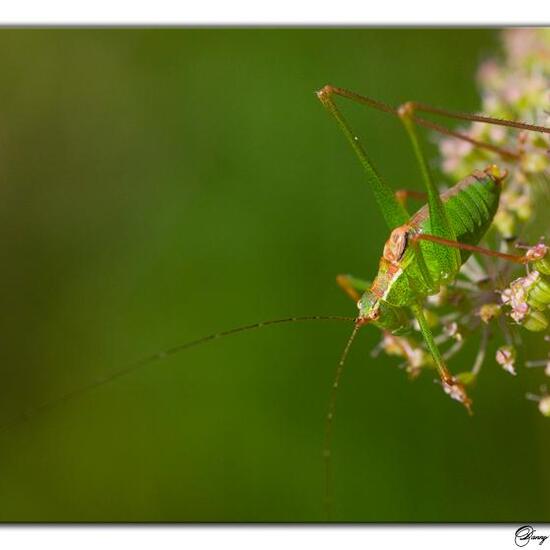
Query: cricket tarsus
{"points": [[29, 413]]}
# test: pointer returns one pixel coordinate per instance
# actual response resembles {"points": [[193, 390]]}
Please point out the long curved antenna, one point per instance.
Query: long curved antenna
{"points": [[158, 357], [327, 445]]}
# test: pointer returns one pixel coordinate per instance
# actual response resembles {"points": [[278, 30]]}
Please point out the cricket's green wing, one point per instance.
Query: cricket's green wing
{"points": [[470, 206]]}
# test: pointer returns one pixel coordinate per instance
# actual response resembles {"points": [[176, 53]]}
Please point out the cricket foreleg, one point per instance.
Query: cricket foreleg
{"points": [[518, 259], [353, 286], [451, 386]]}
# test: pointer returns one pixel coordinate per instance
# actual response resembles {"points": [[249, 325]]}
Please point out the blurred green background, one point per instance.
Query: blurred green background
{"points": [[159, 185]]}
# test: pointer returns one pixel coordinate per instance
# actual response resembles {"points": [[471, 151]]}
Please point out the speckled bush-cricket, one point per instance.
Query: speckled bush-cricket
{"points": [[425, 251]]}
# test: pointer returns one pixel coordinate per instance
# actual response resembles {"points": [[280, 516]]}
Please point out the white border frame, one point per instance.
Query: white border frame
{"points": [[279, 12]]}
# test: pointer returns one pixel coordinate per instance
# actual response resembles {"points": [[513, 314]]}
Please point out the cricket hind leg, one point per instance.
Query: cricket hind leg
{"points": [[412, 107], [394, 213], [505, 154], [516, 124], [449, 260]]}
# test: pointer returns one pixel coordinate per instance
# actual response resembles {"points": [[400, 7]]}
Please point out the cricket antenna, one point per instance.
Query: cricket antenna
{"points": [[158, 357], [327, 445]]}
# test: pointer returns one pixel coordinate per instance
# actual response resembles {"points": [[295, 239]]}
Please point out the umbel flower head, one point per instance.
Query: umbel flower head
{"points": [[495, 301], [515, 88]]}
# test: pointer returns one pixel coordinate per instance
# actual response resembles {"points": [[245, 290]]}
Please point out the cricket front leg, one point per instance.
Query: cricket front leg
{"points": [[533, 253], [353, 286], [450, 384]]}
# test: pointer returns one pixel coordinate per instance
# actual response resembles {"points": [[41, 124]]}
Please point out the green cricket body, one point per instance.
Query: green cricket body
{"points": [[410, 271], [425, 251]]}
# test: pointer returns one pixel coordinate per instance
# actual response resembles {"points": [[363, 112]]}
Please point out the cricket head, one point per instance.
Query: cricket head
{"points": [[378, 312]]}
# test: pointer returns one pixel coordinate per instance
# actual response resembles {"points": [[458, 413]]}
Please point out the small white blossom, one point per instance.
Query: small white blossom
{"points": [[516, 295], [544, 405], [506, 357]]}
